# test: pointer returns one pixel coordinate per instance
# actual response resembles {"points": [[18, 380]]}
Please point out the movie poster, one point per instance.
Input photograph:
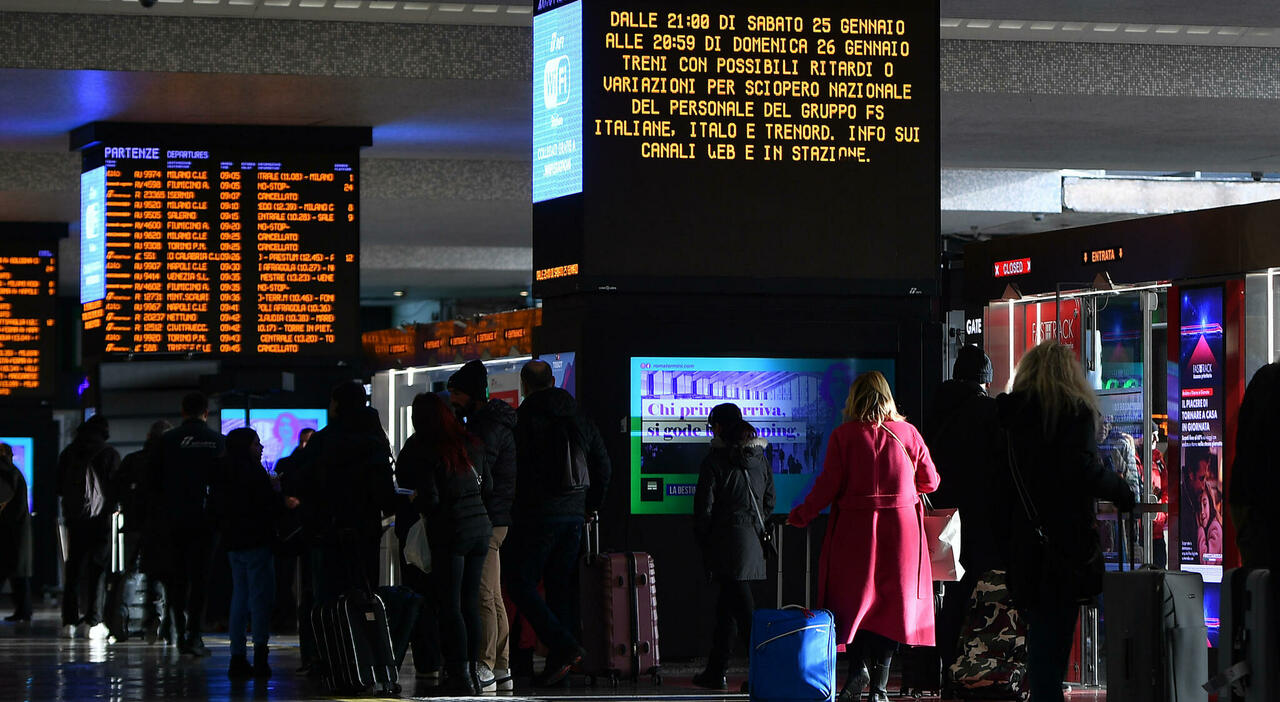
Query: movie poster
{"points": [[1201, 375]]}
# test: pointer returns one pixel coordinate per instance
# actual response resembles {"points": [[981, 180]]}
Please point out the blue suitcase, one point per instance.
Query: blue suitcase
{"points": [[793, 656]]}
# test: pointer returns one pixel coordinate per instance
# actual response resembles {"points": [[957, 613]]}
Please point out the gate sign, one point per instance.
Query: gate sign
{"points": [[1019, 266]]}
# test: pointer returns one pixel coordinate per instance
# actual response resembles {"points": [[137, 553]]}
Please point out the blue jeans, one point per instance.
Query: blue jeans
{"points": [[253, 591], [547, 551]]}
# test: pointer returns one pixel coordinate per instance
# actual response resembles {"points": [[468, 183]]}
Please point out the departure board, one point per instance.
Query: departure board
{"points": [[197, 249], [801, 135], [28, 299]]}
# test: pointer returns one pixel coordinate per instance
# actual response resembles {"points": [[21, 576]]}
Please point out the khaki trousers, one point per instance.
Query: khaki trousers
{"points": [[495, 633]]}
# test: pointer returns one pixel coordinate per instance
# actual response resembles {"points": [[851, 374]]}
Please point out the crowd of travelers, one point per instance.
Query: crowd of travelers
{"points": [[499, 522]]}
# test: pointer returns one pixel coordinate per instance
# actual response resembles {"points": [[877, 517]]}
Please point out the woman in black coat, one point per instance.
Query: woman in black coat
{"points": [[735, 492], [445, 467], [15, 536], [1050, 419]]}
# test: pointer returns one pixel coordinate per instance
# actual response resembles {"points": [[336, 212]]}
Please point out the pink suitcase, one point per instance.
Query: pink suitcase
{"points": [[619, 614]]}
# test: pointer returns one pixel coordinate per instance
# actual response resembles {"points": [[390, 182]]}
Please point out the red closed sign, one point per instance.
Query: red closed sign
{"points": [[1019, 266]]}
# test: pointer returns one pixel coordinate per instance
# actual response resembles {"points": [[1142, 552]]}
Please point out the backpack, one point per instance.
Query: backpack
{"points": [[568, 460], [86, 489]]}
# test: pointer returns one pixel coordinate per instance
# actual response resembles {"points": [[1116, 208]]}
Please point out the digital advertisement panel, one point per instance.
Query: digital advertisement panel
{"points": [[277, 429], [557, 102], [24, 458], [793, 403]]}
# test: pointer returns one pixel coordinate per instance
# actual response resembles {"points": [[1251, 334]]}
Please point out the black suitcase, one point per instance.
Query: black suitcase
{"points": [[922, 665], [1247, 645], [1157, 641], [354, 641], [125, 606]]}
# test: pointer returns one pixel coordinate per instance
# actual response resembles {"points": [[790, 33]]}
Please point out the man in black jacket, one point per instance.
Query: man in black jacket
{"points": [[493, 421], [964, 441], [548, 513], [85, 471], [189, 461]]}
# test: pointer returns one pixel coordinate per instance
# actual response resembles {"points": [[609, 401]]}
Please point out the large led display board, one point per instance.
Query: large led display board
{"points": [[793, 403], [796, 139], [28, 308], [220, 241]]}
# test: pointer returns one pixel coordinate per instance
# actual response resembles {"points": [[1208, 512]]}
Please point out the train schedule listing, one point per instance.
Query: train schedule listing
{"points": [[28, 295], [221, 252]]}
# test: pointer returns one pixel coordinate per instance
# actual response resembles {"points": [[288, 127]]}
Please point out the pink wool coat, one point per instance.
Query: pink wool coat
{"points": [[874, 573]]}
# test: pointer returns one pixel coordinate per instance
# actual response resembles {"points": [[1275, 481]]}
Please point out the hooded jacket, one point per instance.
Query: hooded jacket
{"points": [[965, 442], [1063, 475], [495, 424], [88, 450], [538, 421], [724, 520]]}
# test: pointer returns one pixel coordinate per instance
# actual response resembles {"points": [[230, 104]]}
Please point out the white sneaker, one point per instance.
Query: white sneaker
{"points": [[485, 674], [70, 631], [503, 680], [99, 632]]}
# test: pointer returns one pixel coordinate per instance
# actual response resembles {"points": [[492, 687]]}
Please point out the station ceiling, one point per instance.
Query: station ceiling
{"points": [[1169, 86]]}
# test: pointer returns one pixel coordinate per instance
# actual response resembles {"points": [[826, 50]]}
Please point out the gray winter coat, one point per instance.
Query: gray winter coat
{"points": [[725, 523]]}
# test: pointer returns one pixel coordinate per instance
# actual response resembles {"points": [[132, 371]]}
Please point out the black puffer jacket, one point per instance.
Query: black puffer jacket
{"points": [[495, 424], [246, 505], [132, 486], [968, 450], [343, 479], [89, 448], [453, 503], [537, 493], [724, 521], [1063, 476]]}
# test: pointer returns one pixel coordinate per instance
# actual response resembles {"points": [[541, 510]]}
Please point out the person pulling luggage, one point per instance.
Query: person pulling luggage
{"points": [[86, 468], [735, 490], [137, 508], [874, 573]]}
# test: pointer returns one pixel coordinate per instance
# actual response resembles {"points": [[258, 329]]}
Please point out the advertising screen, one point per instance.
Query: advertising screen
{"points": [[793, 403], [277, 429], [564, 367], [24, 448]]}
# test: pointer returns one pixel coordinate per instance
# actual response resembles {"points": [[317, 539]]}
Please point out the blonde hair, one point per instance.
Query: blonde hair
{"points": [[1052, 374], [871, 400]]}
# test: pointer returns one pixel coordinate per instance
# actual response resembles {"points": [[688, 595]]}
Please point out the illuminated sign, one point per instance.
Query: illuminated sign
{"points": [[698, 118], [557, 272], [28, 308], [973, 326], [557, 102], [1102, 255], [219, 251], [1020, 266]]}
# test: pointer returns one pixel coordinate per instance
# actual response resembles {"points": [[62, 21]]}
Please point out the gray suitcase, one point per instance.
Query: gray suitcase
{"points": [[1248, 641], [1157, 641]]}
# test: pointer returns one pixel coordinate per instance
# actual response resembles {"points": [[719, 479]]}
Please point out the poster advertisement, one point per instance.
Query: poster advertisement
{"points": [[1201, 375], [277, 429], [24, 458], [794, 404]]}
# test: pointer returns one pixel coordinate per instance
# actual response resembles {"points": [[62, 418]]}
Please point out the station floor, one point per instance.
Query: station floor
{"points": [[37, 665]]}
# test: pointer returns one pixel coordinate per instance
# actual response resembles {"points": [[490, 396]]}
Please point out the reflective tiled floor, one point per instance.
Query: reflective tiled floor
{"points": [[35, 664]]}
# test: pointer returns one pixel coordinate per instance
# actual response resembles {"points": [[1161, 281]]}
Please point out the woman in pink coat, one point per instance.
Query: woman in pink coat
{"points": [[875, 574]]}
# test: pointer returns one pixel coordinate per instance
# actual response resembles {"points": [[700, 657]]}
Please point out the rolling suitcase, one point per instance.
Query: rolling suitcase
{"points": [[1248, 639], [124, 609], [354, 642], [922, 665], [793, 655], [1157, 640], [620, 613], [992, 661]]}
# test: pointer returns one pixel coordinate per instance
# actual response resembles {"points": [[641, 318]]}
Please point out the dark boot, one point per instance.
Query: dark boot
{"points": [[261, 670], [879, 682], [460, 681], [711, 679], [857, 682], [239, 668]]}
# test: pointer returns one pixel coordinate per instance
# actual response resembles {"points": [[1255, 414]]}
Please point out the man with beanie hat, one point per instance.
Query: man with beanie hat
{"points": [[964, 440], [494, 421]]}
